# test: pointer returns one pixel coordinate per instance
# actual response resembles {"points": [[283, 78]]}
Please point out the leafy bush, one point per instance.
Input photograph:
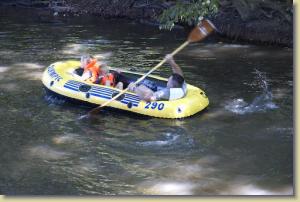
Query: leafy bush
{"points": [[187, 12]]}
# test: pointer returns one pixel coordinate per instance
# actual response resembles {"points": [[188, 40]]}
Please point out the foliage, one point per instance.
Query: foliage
{"points": [[187, 12]]}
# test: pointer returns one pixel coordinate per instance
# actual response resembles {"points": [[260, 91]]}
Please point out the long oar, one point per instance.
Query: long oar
{"points": [[201, 31]]}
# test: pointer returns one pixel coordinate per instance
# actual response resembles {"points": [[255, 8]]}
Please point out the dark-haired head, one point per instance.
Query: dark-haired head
{"points": [[175, 81]]}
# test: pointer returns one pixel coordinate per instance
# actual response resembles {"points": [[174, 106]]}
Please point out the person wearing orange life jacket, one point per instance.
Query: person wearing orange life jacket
{"points": [[99, 74], [93, 69], [109, 79], [88, 70]]}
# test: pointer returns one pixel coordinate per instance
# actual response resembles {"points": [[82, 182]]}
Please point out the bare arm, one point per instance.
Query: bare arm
{"points": [[175, 68]]}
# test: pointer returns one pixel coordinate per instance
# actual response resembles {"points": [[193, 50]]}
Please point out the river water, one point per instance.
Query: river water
{"points": [[241, 145]]}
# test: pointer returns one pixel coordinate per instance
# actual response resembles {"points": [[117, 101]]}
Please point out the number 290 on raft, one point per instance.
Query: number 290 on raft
{"points": [[154, 105]]}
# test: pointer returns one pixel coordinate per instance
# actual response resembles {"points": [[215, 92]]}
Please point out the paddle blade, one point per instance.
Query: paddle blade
{"points": [[82, 117], [201, 31], [94, 111]]}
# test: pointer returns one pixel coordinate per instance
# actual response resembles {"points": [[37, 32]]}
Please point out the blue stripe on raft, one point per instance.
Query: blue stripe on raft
{"points": [[53, 74], [133, 104], [77, 82], [103, 89], [124, 101], [132, 96], [128, 100], [75, 89], [101, 95], [134, 99], [105, 93], [74, 84], [71, 85], [131, 100]]}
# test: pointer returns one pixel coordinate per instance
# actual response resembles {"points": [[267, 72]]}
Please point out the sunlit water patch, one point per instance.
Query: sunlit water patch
{"points": [[69, 139], [46, 152], [168, 188]]}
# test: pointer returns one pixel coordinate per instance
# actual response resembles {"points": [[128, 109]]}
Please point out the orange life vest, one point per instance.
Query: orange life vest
{"points": [[94, 69], [108, 77]]}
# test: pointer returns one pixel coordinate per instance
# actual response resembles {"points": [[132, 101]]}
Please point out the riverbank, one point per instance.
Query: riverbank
{"points": [[266, 23]]}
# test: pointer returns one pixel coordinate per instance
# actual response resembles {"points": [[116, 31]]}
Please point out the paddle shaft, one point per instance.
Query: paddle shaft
{"points": [[182, 46]]}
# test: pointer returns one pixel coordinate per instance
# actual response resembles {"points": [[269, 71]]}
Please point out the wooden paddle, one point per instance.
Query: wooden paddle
{"points": [[201, 31]]}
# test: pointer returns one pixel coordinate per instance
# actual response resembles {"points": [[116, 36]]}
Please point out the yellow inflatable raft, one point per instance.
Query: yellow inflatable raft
{"points": [[58, 80]]}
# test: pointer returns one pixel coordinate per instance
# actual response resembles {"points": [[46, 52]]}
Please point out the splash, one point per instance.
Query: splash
{"points": [[261, 103]]}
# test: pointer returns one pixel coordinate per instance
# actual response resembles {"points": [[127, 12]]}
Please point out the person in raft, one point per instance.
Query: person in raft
{"points": [[176, 86], [91, 71]]}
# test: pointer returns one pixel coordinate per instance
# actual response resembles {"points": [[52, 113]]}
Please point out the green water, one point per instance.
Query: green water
{"points": [[241, 145]]}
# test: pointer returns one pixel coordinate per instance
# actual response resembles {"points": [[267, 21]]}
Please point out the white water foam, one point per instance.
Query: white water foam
{"points": [[260, 103], [52, 100], [169, 139]]}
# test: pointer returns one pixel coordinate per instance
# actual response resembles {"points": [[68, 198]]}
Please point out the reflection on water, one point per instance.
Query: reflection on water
{"points": [[227, 149]]}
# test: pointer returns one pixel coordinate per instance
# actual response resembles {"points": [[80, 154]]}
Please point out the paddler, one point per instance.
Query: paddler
{"points": [[176, 86]]}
